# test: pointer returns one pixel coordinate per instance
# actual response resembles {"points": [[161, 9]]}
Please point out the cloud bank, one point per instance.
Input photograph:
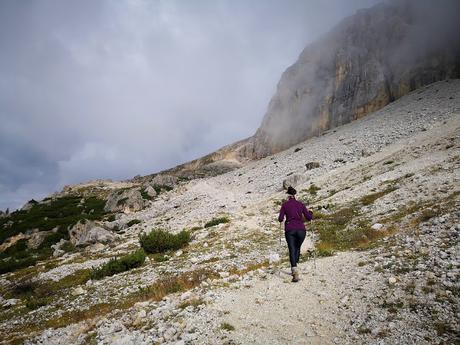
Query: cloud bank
{"points": [[112, 89]]}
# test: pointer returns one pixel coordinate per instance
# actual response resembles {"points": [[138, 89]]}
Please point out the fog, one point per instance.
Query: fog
{"points": [[112, 89], [400, 42]]}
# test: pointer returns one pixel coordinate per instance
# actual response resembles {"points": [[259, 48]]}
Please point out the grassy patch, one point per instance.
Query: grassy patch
{"points": [[195, 302], [427, 214], [343, 230], [30, 290], [35, 303], [159, 241], [313, 189], [227, 327], [369, 199], [160, 258], [323, 250], [216, 221], [118, 265]]}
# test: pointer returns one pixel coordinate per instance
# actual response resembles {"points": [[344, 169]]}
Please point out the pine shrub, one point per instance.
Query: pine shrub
{"points": [[118, 265], [216, 221], [159, 241]]}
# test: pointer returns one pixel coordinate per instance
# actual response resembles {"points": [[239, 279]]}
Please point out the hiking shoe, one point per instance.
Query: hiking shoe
{"points": [[295, 274]]}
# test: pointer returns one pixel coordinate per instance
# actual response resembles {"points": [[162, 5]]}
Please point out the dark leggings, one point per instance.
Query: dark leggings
{"points": [[294, 239]]}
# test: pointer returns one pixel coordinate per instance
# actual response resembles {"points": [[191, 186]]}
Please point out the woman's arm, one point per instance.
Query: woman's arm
{"points": [[282, 214], [307, 213]]}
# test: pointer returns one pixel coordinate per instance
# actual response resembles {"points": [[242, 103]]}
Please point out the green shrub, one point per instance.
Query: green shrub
{"points": [[35, 303], [15, 264], [111, 218], [161, 188], [133, 221], [54, 238], [216, 221], [313, 190], [16, 250], [68, 247], [324, 251], [145, 195], [227, 327], [118, 265], [160, 258], [61, 212], [159, 241]]}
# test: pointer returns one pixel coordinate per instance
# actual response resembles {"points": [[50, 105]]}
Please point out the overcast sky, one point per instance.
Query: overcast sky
{"points": [[111, 89]]}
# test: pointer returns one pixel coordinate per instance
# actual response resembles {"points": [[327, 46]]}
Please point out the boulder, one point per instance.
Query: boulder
{"points": [[85, 233], [57, 251], [292, 181], [165, 180], [151, 192], [377, 226], [36, 238], [312, 165], [129, 200]]}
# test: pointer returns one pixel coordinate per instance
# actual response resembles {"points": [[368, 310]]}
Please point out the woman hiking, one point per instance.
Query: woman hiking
{"points": [[294, 228]]}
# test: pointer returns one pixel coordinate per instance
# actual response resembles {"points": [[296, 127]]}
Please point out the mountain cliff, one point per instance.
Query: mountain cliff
{"points": [[369, 60]]}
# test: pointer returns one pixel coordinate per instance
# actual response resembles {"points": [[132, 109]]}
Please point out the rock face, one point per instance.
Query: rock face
{"points": [[369, 60], [88, 232], [293, 181], [129, 200], [165, 180]]}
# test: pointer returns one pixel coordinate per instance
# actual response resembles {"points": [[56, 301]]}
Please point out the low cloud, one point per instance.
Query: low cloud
{"points": [[105, 89]]}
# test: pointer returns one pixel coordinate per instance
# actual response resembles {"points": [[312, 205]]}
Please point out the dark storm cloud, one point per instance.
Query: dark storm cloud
{"points": [[111, 89]]}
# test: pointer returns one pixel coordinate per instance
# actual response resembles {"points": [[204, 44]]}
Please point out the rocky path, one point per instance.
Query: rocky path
{"points": [[276, 311]]}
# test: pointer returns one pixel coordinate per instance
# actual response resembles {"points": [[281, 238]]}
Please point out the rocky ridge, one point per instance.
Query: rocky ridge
{"points": [[396, 170], [367, 61]]}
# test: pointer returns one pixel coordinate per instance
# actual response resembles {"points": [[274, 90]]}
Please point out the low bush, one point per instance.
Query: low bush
{"points": [[161, 188], [160, 258], [133, 222], [313, 190], [35, 303], [145, 195], [118, 265], [159, 241], [15, 264], [227, 327], [216, 221]]}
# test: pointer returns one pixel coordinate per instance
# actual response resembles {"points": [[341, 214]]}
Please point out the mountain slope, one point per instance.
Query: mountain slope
{"points": [[367, 61], [397, 167]]}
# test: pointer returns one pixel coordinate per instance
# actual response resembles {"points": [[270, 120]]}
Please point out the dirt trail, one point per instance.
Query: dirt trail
{"points": [[272, 310]]}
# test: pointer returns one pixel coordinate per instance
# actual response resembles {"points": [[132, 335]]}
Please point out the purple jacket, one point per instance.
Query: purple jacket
{"points": [[293, 211]]}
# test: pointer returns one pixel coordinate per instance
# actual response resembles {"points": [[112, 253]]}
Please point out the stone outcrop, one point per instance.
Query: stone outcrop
{"points": [[370, 59], [28, 205], [129, 200], [165, 180], [87, 232], [293, 181]]}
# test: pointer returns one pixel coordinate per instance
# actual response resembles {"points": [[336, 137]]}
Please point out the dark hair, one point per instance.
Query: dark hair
{"points": [[291, 191]]}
